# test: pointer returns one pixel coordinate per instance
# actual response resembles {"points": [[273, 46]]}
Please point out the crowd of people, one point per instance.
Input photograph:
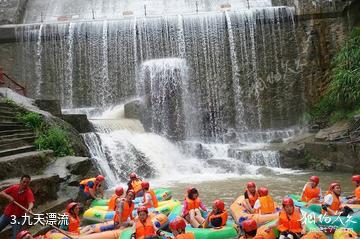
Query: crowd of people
{"points": [[257, 201]]}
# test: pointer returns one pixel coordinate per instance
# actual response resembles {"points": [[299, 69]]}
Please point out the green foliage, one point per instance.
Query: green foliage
{"points": [[9, 101], [342, 97], [55, 139], [32, 120]]}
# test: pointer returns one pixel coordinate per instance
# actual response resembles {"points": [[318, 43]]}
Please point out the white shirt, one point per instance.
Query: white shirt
{"points": [[328, 199], [257, 204]]}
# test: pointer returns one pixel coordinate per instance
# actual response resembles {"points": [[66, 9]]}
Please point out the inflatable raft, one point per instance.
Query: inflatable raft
{"points": [[344, 233], [238, 212], [225, 232], [100, 215], [315, 206], [162, 194], [114, 234]]}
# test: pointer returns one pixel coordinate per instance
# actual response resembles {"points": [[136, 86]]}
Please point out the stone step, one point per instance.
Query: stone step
{"points": [[19, 135], [24, 163], [11, 126], [8, 119], [18, 150], [16, 142], [6, 112], [14, 132], [8, 108]]}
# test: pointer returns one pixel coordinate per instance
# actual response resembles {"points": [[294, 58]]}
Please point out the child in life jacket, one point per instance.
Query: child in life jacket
{"points": [[264, 204], [135, 184], [177, 227], [191, 209], [73, 223], [119, 191], [250, 197], [218, 216], [149, 198], [144, 227], [123, 210], [311, 192], [250, 229], [355, 199], [289, 223]]}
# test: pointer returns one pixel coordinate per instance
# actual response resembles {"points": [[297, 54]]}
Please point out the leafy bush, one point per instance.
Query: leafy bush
{"points": [[32, 120], [55, 139], [9, 101], [343, 94]]}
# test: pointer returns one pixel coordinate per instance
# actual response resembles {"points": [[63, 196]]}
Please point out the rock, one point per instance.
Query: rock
{"points": [[25, 163], [51, 106], [78, 165], [79, 121], [132, 110], [277, 141], [333, 132], [293, 157], [44, 187]]}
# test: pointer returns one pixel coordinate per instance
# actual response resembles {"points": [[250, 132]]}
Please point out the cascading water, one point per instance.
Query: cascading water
{"points": [[225, 84]]}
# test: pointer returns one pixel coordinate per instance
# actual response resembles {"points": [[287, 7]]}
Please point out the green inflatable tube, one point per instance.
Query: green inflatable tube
{"points": [[162, 194]]}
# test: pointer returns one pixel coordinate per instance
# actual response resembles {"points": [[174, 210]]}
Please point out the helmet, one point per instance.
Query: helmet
{"points": [[21, 234], [333, 185], [100, 178], [220, 205], [119, 191], [145, 185], [355, 178], [250, 184], [263, 192], [131, 191], [249, 225], [142, 209], [71, 205], [315, 179], [192, 190], [133, 175], [287, 201], [177, 224]]}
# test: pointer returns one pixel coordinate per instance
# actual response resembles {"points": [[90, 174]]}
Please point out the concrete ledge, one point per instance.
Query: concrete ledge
{"points": [[79, 121]]}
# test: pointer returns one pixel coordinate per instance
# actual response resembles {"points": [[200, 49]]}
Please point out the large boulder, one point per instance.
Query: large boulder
{"points": [[132, 110]]}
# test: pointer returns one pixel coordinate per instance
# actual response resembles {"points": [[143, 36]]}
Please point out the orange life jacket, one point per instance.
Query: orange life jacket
{"points": [[84, 183], [336, 204], [154, 201], [126, 212], [144, 230], [112, 202], [310, 193], [267, 205], [252, 198], [357, 193], [136, 185], [290, 223], [74, 223], [223, 216], [192, 204], [186, 235]]}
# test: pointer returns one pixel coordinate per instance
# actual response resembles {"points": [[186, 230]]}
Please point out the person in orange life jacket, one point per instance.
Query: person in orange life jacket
{"points": [[90, 187], [73, 220], [144, 228], [332, 204], [264, 204], [250, 229], [177, 227], [135, 184], [191, 209], [218, 216], [123, 210], [26, 235], [311, 192], [289, 223], [119, 191], [250, 197], [149, 199], [22, 194], [355, 199]]}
